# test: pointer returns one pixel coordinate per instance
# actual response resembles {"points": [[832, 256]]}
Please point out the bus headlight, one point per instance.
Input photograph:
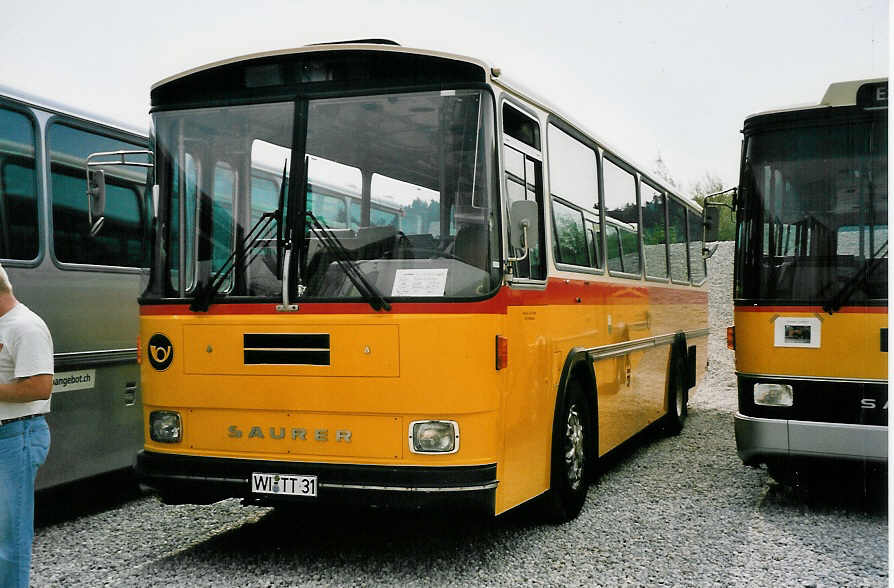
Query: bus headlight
{"points": [[164, 426], [773, 395], [434, 437]]}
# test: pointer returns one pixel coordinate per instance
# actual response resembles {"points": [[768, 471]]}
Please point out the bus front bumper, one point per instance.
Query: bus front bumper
{"points": [[760, 438], [184, 479]]}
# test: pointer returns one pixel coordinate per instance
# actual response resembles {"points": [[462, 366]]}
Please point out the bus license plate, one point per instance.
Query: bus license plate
{"points": [[285, 484]]}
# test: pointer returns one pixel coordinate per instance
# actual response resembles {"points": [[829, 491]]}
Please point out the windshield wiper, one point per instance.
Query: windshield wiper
{"points": [[261, 231], [366, 288], [849, 287]]}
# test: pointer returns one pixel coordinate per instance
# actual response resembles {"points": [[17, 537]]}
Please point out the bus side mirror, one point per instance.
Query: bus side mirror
{"points": [[96, 199], [523, 224], [96, 180], [711, 220]]}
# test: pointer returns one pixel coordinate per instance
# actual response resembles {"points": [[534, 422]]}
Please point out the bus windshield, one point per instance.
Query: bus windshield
{"points": [[813, 213], [403, 182]]}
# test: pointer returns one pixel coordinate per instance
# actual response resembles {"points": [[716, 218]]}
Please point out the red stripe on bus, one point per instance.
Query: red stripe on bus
{"points": [[814, 309], [558, 292]]}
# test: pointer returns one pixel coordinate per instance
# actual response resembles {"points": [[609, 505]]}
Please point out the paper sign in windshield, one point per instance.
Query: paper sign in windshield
{"points": [[420, 282]]}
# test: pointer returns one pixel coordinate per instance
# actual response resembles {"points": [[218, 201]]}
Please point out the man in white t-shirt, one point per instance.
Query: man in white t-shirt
{"points": [[26, 381]]}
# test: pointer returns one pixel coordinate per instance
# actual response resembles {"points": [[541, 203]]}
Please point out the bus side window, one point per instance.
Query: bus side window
{"points": [[613, 248], [620, 204], [18, 187], [120, 242], [677, 239], [574, 190], [594, 243], [654, 231]]}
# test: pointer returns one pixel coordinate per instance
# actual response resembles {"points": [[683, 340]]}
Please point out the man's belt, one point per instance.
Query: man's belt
{"points": [[21, 418]]}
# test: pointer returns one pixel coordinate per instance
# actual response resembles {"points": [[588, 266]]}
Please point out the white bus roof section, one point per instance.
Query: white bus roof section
{"points": [[58, 108], [845, 93], [837, 94]]}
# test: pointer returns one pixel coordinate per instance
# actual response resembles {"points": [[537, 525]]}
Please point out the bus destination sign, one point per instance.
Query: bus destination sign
{"points": [[874, 95]]}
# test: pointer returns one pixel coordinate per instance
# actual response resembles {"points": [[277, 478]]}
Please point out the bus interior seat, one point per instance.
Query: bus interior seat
{"points": [[470, 245], [423, 242], [262, 280]]}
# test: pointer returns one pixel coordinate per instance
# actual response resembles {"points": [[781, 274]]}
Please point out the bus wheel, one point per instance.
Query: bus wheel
{"points": [[569, 469], [677, 400]]}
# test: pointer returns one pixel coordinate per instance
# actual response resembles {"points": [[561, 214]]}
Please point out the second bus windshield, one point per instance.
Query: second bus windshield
{"points": [[814, 214]]}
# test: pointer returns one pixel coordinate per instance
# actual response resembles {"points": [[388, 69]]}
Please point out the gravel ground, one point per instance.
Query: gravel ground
{"points": [[670, 511]]}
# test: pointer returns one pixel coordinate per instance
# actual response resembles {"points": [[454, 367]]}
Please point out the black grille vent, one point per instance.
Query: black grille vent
{"points": [[286, 348]]}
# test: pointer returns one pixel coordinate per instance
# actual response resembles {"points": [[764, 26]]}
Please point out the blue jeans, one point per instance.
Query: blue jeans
{"points": [[23, 448]]}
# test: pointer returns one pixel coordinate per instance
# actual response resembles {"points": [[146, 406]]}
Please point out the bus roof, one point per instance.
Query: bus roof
{"points": [[491, 73], [837, 94], [350, 46], [48, 105]]}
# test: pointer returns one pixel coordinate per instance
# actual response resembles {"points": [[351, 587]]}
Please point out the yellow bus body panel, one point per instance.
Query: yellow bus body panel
{"points": [[388, 369], [849, 345]]}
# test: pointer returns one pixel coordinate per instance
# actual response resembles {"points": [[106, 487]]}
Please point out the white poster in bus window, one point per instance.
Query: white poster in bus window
{"points": [[797, 332], [419, 282]]}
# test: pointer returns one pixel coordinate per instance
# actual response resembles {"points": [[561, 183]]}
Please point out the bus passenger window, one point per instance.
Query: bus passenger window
{"points": [[521, 127], [120, 242], [613, 248], [573, 179], [677, 239], [620, 204], [18, 188], [594, 243], [571, 240], [654, 231]]}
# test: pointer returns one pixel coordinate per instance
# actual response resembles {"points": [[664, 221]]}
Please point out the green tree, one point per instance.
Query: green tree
{"points": [[711, 184]]}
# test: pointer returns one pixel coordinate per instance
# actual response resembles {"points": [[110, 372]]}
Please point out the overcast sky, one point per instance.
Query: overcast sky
{"points": [[674, 78]]}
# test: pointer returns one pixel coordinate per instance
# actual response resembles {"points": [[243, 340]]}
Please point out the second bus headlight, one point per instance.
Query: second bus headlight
{"points": [[164, 426], [434, 437], [773, 395]]}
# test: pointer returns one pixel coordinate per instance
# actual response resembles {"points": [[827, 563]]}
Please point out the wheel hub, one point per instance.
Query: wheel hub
{"points": [[574, 448]]}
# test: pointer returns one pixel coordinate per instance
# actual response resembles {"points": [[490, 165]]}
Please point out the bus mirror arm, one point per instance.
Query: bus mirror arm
{"points": [[524, 244], [155, 196]]}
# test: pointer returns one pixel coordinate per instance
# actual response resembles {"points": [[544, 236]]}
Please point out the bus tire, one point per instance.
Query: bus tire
{"points": [[570, 463], [677, 398]]}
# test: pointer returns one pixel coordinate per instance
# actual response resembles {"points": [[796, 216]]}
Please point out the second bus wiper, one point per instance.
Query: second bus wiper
{"points": [[848, 289], [367, 289]]}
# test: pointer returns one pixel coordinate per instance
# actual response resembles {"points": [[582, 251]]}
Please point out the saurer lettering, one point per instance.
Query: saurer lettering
{"points": [[288, 433]]}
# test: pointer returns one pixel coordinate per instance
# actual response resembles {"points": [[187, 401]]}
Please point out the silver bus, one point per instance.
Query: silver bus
{"points": [[84, 286]]}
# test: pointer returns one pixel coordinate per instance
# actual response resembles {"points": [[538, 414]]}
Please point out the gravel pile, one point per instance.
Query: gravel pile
{"points": [[671, 511]]}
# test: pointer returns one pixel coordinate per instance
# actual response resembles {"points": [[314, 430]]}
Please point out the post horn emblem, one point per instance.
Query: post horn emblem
{"points": [[161, 352]]}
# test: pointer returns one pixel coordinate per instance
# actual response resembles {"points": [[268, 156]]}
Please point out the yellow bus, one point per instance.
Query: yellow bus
{"points": [[811, 286], [504, 300]]}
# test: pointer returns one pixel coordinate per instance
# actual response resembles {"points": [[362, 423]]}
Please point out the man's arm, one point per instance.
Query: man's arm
{"points": [[27, 389]]}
